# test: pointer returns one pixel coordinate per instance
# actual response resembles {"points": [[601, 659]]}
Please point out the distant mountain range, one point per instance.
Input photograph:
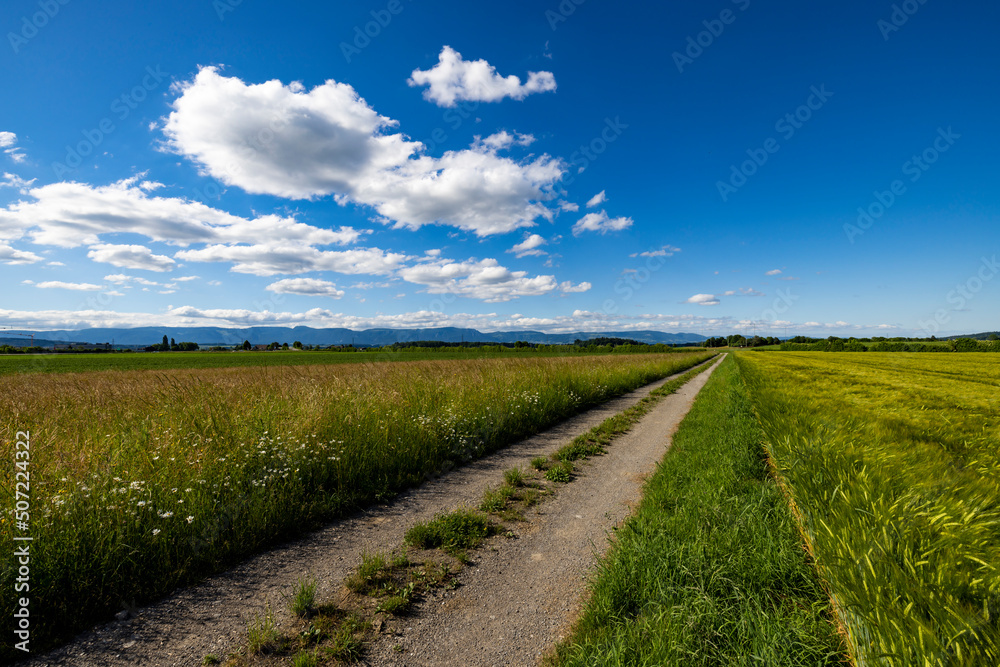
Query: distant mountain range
{"points": [[978, 336], [207, 336]]}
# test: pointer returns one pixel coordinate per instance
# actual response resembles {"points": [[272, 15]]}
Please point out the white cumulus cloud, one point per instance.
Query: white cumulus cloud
{"points": [[10, 255], [130, 257], [70, 214], [269, 260], [58, 284], [306, 287], [283, 140], [530, 246], [453, 79], [600, 222], [703, 300], [597, 199], [484, 279]]}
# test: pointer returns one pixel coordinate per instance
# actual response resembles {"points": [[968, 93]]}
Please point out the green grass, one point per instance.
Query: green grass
{"points": [[304, 598], [711, 569], [133, 361], [305, 659], [893, 464], [262, 632], [372, 574], [561, 472], [452, 533], [144, 481], [513, 477], [495, 500]]}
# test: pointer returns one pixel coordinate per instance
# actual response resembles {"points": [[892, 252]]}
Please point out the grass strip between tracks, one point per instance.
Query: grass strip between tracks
{"points": [[711, 569]]}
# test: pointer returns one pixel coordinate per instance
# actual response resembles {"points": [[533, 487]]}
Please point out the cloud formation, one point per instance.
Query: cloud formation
{"points": [[453, 80], [283, 140], [306, 287], [529, 246], [70, 214], [597, 199], [704, 300], [601, 223], [130, 257]]}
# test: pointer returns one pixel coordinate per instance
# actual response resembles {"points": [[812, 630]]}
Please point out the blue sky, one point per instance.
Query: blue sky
{"points": [[707, 167]]}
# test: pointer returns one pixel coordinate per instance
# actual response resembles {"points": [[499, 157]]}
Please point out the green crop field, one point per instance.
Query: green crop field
{"points": [[893, 464], [137, 361], [141, 481]]}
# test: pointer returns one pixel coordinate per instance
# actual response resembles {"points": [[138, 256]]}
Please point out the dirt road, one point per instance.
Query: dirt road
{"points": [[512, 606]]}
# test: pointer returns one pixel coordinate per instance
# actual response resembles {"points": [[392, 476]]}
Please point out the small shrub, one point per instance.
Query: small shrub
{"points": [[345, 645], [560, 473], [304, 659], [262, 632], [304, 598], [513, 477], [579, 449], [495, 500], [398, 603], [540, 463], [210, 659], [461, 529], [371, 574]]}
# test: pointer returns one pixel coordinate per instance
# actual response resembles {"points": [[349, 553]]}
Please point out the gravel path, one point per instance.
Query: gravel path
{"points": [[512, 606]]}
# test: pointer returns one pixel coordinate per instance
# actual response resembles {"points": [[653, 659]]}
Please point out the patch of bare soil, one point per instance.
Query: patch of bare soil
{"points": [[516, 600]]}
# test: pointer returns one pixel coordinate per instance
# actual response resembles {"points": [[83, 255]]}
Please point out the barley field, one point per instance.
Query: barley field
{"points": [[893, 465], [143, 481]]}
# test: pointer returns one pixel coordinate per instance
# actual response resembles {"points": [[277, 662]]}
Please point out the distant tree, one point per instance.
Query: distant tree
{"points": [[173, 345], [297, 345], [247, 345], [284, 346], [273, 346], [965, 345], [993, 336], [165, 345]]}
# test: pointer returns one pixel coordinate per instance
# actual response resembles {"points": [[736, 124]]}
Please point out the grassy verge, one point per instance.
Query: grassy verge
{"points": [[893, 465], [142, 482], [711, 569]]}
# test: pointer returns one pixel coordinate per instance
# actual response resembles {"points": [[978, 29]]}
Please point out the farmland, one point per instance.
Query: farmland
{"points": [[142, 481], [136, 361], [892, 465]]}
